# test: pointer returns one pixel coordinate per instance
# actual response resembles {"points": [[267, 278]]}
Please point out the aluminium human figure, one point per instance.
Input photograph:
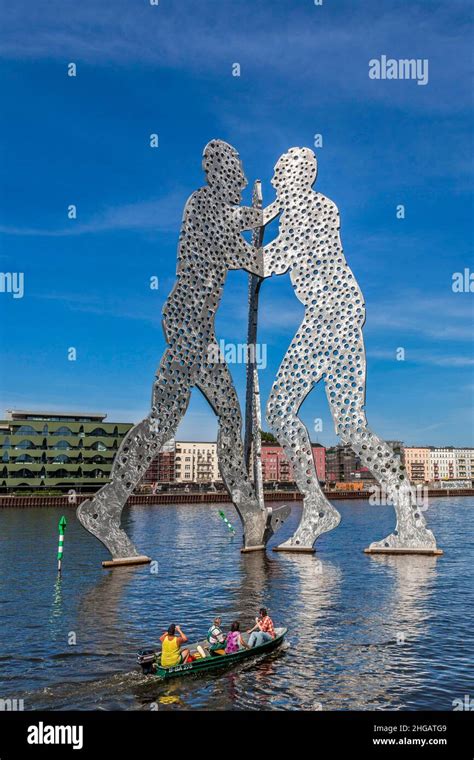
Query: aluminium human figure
{"points": [[328, 346], [210, 244]]}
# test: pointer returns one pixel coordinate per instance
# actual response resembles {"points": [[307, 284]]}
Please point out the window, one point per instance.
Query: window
{"points": [[60, 474], [63, 431], [25, 429], [24, 458], [62, 459], [62, 445], [25, 445], [98, 431], [99, 446]]}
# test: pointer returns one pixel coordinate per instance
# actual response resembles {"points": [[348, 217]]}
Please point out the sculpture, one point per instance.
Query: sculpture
{"points": [[328, 345]]}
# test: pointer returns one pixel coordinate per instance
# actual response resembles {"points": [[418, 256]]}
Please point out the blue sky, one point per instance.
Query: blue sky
{"points": [[167, 69]]}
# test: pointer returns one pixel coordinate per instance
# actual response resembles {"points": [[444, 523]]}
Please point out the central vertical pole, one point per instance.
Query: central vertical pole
{"points": [[253, 414]]}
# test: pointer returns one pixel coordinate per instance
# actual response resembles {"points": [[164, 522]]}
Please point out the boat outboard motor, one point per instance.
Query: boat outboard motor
{"points": [[146, 659]]}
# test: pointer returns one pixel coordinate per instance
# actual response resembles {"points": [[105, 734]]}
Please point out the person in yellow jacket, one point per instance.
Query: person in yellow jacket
{"points": [[171, 652]]}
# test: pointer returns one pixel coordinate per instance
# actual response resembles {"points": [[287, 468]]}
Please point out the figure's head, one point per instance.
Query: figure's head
{"points": [[224, 173], [171, 629], [263, 612], [235, 626], [295, 170], [217, 621]]}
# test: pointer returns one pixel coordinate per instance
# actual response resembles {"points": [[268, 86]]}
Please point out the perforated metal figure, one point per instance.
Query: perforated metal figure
{"points": [[210, 244], [328, 346]]}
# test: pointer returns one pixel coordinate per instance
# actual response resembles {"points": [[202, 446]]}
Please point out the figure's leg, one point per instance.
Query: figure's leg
{"points": [[215, 383], [300, 369], [345, 388], [101, 515]]}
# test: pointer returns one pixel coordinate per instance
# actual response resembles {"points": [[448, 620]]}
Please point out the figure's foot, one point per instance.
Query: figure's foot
{"points": [[422, 539], [311, 528], [101, 517], [276, 518], [255, 524]]}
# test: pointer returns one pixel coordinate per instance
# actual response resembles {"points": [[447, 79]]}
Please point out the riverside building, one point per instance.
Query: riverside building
{"points": [[57, 451], [450, 463], [417, 462], [196, 462]]}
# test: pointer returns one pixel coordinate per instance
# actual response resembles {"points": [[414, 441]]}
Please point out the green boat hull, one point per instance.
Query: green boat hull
{"points": [[220, 661]]}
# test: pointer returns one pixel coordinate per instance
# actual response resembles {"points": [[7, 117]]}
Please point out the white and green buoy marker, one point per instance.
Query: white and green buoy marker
{"points": [[61, 527], [229, 524]]}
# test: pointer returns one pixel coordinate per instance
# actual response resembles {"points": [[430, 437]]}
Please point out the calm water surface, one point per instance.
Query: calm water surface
{"points": [[347, 613]]}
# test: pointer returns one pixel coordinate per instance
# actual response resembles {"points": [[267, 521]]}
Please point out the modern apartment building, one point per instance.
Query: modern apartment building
{"points": [[43, 451]]}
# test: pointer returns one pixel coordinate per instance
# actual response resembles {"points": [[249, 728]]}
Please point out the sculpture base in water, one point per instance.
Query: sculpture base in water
{"points": [[140, 559], [290, 548], [401, 550]]}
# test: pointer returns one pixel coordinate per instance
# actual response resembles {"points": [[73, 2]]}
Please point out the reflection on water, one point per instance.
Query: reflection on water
{"points": [[56, 608], [364, 632]]}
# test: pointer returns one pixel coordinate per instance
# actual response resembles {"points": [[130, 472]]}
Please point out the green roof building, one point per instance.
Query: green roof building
{"points": [[57, 451]]}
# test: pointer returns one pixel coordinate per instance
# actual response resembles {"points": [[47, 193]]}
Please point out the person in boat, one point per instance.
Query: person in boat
{"points": [[216, 636], [234, 641], [263, 629], [171, 642]]}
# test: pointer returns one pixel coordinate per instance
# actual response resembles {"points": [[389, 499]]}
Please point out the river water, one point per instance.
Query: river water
{"points": [[365, 632]]}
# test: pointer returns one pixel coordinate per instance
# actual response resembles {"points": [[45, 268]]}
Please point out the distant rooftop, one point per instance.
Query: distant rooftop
{"points": [[33, 414]]}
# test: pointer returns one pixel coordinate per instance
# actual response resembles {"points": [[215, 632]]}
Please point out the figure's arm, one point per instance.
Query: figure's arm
{"points": [[162, 638], [182, 636], [274, 258], [250, 217], [246, 256], [271, 212]]}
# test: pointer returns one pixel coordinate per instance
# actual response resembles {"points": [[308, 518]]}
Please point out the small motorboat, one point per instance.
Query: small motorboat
{"points": [[150, 661]]}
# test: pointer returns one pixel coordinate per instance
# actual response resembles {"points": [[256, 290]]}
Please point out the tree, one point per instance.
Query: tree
{"points": [[268, 437]]}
